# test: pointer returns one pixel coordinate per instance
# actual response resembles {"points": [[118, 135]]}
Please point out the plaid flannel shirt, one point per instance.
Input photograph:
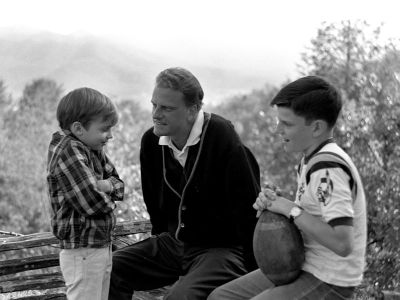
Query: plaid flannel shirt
{"points": [[82, 215]]}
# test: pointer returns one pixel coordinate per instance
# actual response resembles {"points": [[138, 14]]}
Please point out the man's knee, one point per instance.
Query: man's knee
{"points": [[214, 295], [182, 291]]}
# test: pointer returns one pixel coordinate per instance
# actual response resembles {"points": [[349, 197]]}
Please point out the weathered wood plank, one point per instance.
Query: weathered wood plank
{"points": [[157, 294], [27, 241], [391, 295], [32, 282], [13, 266], [44, 297], [33, 276], [48, 281], [132, 227], [47, 238], [137, 296]]}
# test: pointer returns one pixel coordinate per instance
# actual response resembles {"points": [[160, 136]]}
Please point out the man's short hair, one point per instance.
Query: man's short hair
{"points": [[182, 80], [84, 105], [311, 97]]}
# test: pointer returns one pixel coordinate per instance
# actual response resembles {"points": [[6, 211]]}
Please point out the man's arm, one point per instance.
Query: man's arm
{"points": [[151, 179], [242, 187], [79, 183]]}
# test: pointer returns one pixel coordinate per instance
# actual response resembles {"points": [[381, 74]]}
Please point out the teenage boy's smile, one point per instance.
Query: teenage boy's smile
{"points": [[295, 132]]}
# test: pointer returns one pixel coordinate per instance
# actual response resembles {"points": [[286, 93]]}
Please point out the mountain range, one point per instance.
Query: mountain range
{"points": [[114, 68]]}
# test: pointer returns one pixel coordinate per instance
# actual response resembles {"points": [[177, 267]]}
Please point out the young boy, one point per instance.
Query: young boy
{"points": [[329, 208], [83, 187]]}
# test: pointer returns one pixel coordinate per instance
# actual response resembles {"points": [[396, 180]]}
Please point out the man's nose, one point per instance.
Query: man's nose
{"points": [[156, 112]]}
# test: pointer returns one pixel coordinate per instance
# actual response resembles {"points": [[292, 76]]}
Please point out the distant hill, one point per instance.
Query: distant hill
{"points": [[119, 71]]}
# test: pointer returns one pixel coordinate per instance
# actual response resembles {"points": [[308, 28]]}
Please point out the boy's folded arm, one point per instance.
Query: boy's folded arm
{"points": [[117, 185], [79, 183]]}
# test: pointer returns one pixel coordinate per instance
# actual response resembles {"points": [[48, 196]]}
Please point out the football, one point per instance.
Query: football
{"points": [[278, 248]]}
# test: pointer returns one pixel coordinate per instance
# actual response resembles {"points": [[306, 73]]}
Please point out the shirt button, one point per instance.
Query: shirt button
{"points": [[182, 225]]}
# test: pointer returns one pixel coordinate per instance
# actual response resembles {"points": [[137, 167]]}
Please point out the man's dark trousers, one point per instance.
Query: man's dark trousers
{"points": [[162, 260]]}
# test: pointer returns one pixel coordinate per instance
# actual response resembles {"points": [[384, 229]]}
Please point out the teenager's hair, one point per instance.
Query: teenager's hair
{"points": [[182, 80], [84, 105], [311, 97]]}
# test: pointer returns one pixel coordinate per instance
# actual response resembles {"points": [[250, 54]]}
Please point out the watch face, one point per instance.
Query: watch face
{"points": [[295, 212]]}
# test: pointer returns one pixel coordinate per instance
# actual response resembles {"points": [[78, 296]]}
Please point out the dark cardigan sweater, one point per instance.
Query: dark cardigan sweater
{"points": [[209, 202]]}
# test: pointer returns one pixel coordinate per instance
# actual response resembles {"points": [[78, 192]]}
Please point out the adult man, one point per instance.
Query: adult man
{"points": [[199, 183]]}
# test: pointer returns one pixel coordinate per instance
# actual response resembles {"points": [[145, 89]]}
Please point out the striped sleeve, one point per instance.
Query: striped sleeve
{"points": [[331, 189]]}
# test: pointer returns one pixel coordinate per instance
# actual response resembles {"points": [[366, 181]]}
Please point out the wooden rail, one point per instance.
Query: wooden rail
{"points": [[44, 274], [21, 272]]}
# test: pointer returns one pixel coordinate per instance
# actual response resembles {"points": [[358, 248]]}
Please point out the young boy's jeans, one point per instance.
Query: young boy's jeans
{"points": [[256, 286], [86, 272]]}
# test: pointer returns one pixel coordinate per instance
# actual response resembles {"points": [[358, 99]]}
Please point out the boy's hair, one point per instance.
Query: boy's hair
{"points": [[311, 97], [84, 105], [182, 80]]}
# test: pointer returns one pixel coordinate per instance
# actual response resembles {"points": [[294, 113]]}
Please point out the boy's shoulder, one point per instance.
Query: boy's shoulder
{"points": [[332, 156], [64, 146], [329, 154], [62, 141], [335, 152]]}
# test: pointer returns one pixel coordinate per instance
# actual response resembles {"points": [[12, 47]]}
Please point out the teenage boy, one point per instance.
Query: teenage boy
{"points": [[83, 187], [329, 208]]}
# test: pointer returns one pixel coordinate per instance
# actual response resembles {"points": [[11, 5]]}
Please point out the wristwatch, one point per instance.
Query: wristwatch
{"points": [[295, 212]]}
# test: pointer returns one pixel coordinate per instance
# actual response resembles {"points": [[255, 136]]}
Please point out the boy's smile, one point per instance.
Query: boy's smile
{"points": [[296, 135], [97, 134]]}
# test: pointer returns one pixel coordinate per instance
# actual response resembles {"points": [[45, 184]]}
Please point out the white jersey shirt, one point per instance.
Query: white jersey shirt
{"points": [[328, 196]]}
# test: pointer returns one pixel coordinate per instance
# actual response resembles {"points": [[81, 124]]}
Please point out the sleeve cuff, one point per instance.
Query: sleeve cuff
{"points": [[341, 221]]}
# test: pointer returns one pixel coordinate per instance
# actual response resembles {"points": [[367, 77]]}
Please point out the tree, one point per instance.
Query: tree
{"points": [[26, 135], [5, 101], [255, 121], [124, 152], [366, 71]]}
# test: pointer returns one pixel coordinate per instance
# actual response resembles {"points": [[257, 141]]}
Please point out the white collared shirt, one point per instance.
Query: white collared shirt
{"points": [[193, 139]]}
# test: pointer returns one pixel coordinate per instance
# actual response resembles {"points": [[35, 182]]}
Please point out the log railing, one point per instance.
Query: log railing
{"points": [[24, 272]]}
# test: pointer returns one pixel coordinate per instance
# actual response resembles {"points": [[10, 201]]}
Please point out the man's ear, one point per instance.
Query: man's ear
{"points": [[319, 127], [194, 109], [77, 128]]}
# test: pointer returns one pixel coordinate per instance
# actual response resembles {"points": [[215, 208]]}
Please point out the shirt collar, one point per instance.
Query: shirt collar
{"points": [[329, 140], [66, 132], [194, 136]]}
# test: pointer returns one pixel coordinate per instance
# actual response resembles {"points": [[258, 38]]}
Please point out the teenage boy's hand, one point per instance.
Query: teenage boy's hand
{"points": [[269, 199]]}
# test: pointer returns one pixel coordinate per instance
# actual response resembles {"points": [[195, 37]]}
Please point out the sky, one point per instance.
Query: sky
{"points": [[256, 36]]}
